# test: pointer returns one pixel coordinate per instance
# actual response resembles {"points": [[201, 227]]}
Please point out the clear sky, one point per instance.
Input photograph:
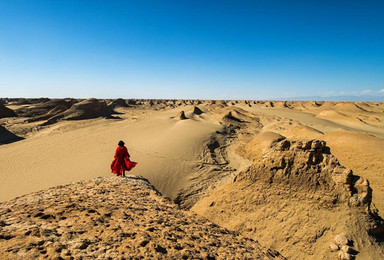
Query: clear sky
{"points": [[191, 49]]}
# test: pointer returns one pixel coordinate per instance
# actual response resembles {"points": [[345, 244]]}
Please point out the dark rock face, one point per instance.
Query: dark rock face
{"points": [[114, 218], [7, 137], [197, 111], [181, 116], [131, 102], [6, 112]]}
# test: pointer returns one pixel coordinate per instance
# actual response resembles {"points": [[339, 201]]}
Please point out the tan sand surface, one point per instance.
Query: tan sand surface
{"points": [[165, 148]]}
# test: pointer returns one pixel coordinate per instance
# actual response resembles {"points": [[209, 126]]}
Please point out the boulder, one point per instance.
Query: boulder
{"points": [[334, 247], [341, 240]]}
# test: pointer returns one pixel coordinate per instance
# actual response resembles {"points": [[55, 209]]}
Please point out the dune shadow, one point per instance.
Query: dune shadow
{"points": [[6, 137], [113, 117]]}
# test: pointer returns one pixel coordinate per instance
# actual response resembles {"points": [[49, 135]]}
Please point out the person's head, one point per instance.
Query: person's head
{"points": [[121, 143]]}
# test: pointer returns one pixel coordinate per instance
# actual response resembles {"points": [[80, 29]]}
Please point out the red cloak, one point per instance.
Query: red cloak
{"points": [[121, 162]]}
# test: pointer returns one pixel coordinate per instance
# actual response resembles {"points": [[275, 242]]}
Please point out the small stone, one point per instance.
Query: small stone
{"points": [[347, 249], [144, 243], [161, 249], [333, 247], [341, 240], [344, 256]]}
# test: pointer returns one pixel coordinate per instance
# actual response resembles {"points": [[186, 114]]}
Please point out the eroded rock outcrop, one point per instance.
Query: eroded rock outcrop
{"points": [[181, 116], [90, 108], [44, 110], [118, 103], [197, 111], [298, 197], [309, 165], [6, 112], [114, 218], [86, 109]]}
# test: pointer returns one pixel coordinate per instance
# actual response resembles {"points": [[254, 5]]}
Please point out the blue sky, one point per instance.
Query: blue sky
{"points": [[191, 49]]}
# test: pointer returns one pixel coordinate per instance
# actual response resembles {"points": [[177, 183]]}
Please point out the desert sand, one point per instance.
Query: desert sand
{"points": [[212, 157]]}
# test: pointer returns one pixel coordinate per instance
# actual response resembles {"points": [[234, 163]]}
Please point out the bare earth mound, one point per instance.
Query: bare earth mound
{"points": [[114, 218]]}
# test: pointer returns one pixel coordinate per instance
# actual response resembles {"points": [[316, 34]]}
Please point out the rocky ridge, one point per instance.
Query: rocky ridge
{"points": [[110, 218], [297, 196]]}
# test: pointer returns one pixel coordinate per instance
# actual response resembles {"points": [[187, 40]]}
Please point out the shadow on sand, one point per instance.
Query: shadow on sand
{"points": [[7, 137]]}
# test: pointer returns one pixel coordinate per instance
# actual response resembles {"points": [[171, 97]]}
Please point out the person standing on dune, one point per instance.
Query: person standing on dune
{"points": [[121, 162]]}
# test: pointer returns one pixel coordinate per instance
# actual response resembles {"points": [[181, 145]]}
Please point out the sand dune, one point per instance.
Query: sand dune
{"points": [[85, 149]]}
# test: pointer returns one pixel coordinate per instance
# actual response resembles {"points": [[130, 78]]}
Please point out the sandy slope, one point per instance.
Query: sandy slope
{"points": [[166, 149]]}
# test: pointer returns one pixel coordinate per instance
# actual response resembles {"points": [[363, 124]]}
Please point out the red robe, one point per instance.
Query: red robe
{"points": [[121, 162]]}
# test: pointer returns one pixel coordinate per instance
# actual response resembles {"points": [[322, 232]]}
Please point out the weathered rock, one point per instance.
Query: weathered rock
{"points": [[131, 102], [333, 247], [341, 240], [6, 112], [197, 111], [309, 165], [118, 103], [45, 110], [181, 116], [114, 218], [229, 117], [86, 109], [90, 108], [344, 256], [347, 249]]}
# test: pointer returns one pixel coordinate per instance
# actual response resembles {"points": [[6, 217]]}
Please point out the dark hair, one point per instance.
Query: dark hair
{"points": [[121, 143]]}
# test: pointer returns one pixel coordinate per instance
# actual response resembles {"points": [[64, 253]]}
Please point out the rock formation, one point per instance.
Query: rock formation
{"points": [[298, 194], [86, 109], [43, 111], [6, 112], [131, 102], [114, 218], [181, 116], [118, 103], [197, 111], [309, 165]]}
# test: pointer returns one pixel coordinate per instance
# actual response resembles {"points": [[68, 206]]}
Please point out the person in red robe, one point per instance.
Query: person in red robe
{"points": [[121, 162]]}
